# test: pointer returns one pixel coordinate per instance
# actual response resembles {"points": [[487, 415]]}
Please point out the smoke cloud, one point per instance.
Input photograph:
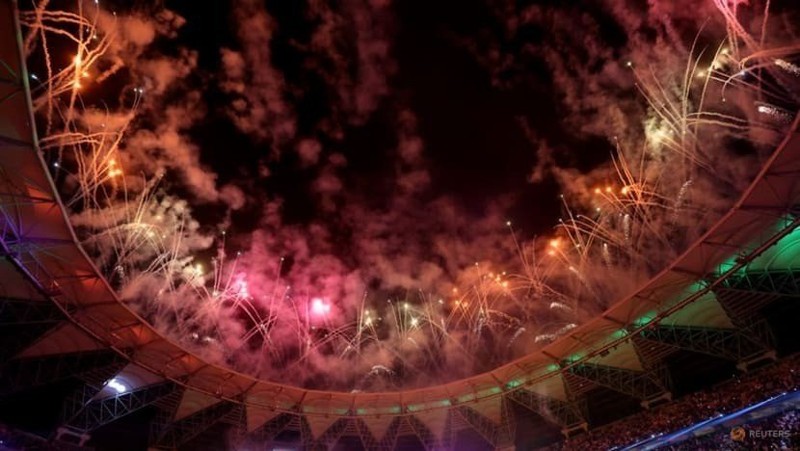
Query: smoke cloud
{"points": [[392, 283]]}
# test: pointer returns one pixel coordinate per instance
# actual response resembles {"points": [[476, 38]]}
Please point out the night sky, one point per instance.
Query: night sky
{"points": [[410, 159], [480, 130], [382, 147]]}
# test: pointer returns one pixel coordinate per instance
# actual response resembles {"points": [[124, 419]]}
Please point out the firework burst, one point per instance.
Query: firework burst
{"points": [[643, 209]]}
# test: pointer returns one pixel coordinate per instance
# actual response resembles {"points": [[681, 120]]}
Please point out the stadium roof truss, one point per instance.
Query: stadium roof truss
{"points": [[68, 322]]}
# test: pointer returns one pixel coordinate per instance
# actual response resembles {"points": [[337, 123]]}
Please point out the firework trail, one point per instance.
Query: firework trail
{"points": [[644, 208]]}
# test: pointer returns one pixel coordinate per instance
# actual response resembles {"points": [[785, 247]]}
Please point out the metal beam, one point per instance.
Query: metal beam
{"points": [[368, 441], [103, 411], [785, 282], [271, 428], [451, 430], [26, 264], [426, 436], [639, 384], [389, 440], [331, 435], [300, 424], [487, 429], [167, 408], [236, 420], [24, 373], [506, 433], [728, 344], [179, 432], [30, 244], [95, 379], [744, 301], [651, 355], [564, 414]]}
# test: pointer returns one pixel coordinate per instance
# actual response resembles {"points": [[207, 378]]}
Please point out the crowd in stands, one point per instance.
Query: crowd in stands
{"points": [[788, 422], [725, 398]]}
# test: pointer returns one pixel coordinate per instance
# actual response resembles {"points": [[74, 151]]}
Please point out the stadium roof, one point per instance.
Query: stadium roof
{"points": [[46, 264]]}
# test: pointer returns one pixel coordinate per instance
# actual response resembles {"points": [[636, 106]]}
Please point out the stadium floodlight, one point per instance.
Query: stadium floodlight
{"points": [[116, 385]]}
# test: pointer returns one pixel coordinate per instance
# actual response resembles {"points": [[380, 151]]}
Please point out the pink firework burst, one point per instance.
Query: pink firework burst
{"points": [[319, 307]]}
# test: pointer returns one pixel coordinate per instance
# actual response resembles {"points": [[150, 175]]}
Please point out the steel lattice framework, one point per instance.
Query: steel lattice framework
{"points": [[60, 318]]}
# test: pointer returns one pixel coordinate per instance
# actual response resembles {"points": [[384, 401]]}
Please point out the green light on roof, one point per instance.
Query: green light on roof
{"points": [[466, 397], [513, 383], [645, 319], [361, 411], [552, 367], [697, 286], [785, 254], [779, 257], [619, 334], [489, 392], [575, 357], [429, 405], [728, 264]]}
